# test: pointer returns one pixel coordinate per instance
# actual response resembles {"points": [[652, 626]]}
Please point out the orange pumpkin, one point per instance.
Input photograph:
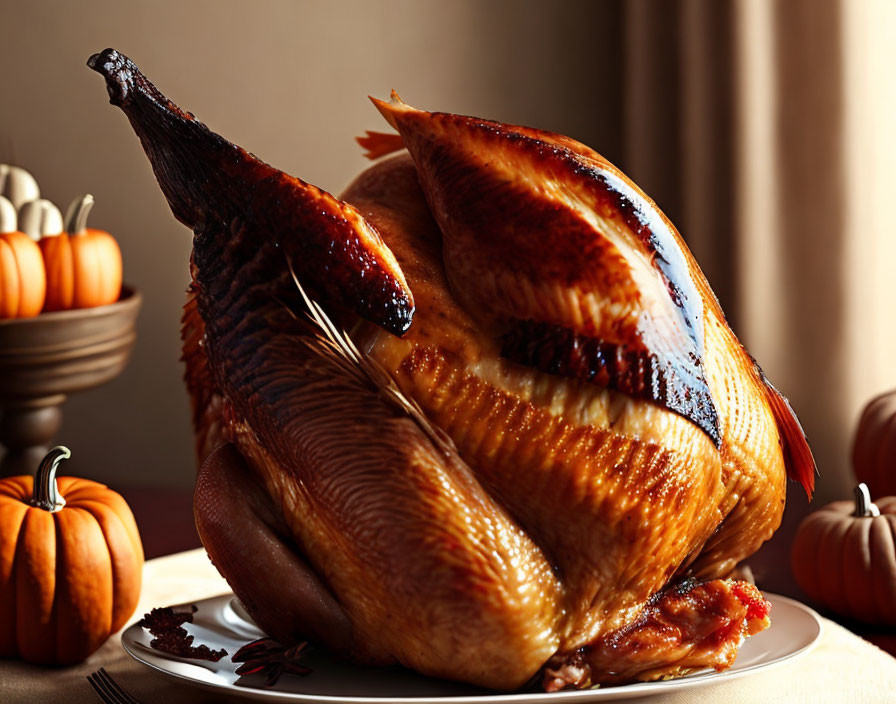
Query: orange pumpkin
{"points": [[874, 446], [844, 557], [83, 265], [22, 281], [70, 565]]}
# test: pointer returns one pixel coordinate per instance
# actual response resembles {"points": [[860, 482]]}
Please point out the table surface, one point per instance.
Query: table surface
{"points": [[841, 668]]}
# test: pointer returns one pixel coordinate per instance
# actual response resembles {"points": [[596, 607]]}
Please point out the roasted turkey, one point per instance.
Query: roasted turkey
{"points": [[481, 415]]}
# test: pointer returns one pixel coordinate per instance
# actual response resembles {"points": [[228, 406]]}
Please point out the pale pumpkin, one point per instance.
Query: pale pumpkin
{"points": [[22, 279], [83, 265], [844, 558], [17, 185], [70, 565], [874, 446], [38, 218]]}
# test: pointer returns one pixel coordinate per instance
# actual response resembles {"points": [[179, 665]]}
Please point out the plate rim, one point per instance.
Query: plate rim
{"points": [[623, 691]]}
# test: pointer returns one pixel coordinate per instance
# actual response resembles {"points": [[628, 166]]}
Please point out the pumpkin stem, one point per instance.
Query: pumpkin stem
{"points": [[76, 215], [864, 507], [46, 492]]}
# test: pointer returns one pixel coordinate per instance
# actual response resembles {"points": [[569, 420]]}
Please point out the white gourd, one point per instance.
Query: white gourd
{"points": [[40, 218], [7, 216], [17, 185]]}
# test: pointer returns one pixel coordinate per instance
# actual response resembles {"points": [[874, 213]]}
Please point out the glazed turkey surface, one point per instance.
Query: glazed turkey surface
{"points": [[538, 449]]}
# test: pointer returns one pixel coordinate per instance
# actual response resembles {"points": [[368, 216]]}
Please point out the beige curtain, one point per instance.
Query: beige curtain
{"points": [[763, 128]]}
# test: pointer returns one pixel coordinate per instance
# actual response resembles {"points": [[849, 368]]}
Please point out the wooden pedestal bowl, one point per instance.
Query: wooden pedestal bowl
{"points": [[44, 359]]}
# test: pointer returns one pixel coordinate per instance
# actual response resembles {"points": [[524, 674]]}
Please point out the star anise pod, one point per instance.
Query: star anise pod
{"points": [[171, 637], [272, 659]]}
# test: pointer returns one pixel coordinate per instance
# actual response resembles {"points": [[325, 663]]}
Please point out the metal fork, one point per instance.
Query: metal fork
{"points": [[108, 689]]}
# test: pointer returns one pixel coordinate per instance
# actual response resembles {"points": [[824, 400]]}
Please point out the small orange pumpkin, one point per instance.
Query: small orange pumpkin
{"points": [[83, 265], [70, 568], [844, 557], [22, 281], [874, 446]]}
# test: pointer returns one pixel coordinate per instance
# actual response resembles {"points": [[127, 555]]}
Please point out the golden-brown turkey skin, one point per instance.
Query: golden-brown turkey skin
{"points": [[249, 541], [527, 217], [609, 432], [503, 197], [408, 543], [550, 246], [626, 490]]}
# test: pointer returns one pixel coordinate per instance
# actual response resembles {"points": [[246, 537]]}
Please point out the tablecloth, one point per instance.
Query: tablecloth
{"points": [[842, 667]]}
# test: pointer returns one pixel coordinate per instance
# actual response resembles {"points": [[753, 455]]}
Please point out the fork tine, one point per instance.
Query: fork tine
{"points": [[100, 692], [122, 693], [108, 689], [101, 688]]}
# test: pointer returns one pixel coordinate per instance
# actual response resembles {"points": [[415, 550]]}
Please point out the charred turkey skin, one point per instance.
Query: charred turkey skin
{"points": [[537, 429]]}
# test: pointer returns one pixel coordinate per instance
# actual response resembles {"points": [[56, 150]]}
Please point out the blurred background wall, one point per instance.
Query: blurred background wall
{"points": [[760, 127]]}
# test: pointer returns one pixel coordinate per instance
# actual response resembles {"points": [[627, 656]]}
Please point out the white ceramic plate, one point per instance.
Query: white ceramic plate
{"points": [[221, 622]]}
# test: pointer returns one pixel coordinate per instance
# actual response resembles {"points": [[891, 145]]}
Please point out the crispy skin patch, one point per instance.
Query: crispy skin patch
{"points": [[681, 630], [494, 188], [542, 231], [558, 350]]}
